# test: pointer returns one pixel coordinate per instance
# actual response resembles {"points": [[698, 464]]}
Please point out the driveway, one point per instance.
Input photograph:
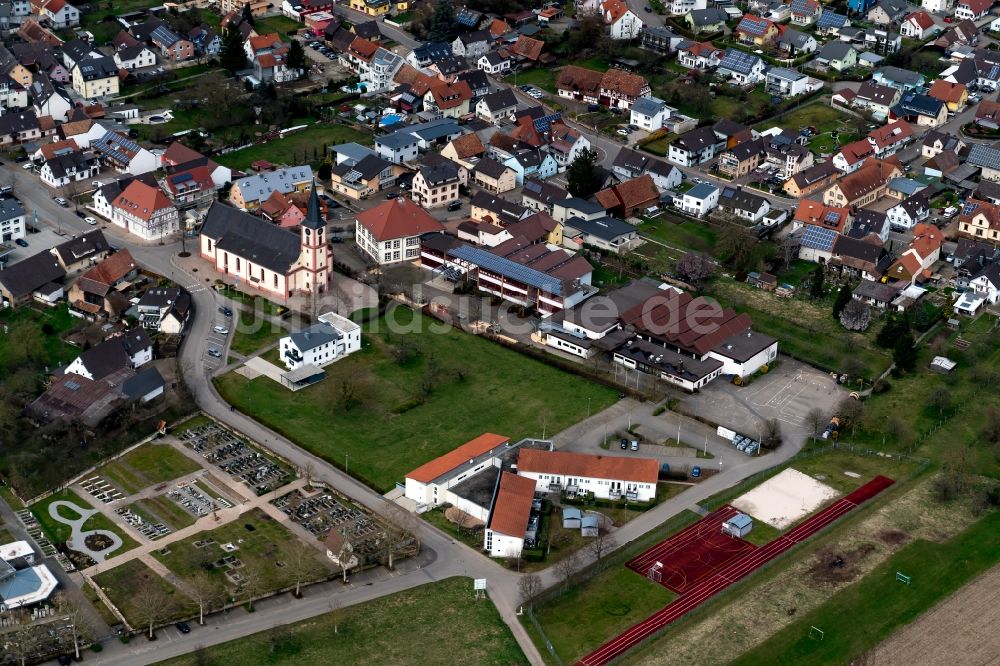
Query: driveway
{"points": [[787, 393]]}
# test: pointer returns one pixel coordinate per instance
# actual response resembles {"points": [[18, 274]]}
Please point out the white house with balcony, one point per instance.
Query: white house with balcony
{"points": [[329, 340], [649, 113], [606, 476]]}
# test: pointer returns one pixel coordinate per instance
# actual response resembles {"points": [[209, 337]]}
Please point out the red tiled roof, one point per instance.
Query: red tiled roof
{"points": [[613, 10], [571, 463], [526, 47], [926, 240], [178, 153], [468, 145], [977, 6], [946, 91], [857, 151], [693, 324], [893, 133], [513, 505], [258, 42], [814, 213], [630, 194], [113, 268], [921, 19], [397, 218], [49, 150], [142, 200], [704, 49], [498, 27], [449, 461]]}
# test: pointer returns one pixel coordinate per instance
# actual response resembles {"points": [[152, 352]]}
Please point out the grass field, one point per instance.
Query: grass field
{"points": [[417, 393], [860, 616], [165, 510], [824, 118], [251, 334], [260, 548], [58, 532], [146, 466], [280, 24], [291, 149], [541, 77], [437, 623], [124, 586], [687, 235], [45, 348]]}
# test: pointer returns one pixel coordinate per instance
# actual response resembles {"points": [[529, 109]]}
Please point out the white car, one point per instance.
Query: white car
{"points": [[91, 221], [27, 165], [221, 330], [622, 132]]}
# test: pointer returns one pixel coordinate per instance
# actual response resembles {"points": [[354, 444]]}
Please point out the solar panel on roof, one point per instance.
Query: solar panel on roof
{"points": [[818, 238], [506, 267], [832, 217], [969, 208], [830, 19], [545, 122], [738, 61]]}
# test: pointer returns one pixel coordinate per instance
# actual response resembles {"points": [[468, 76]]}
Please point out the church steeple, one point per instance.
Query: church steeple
{"points": [[314, 218]]}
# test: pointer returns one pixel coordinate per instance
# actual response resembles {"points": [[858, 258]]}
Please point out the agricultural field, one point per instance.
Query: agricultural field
{"points": [[415, 390], [416, 626], [147, 465]]}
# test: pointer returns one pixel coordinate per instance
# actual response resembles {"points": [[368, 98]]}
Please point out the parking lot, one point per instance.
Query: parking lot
{"points": [[218, 341]]}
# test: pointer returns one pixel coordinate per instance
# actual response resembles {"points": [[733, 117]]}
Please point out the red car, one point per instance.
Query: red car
{"points": [[947, 19]]}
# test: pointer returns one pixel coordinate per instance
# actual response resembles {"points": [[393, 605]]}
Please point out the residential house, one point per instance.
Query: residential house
{"points": [[810, 180], [805, 12], [579, 83], [436, 183], [888, 12], [399, 147], [95, 293], [918, 25], [134, 57], [877, 99], [390, 232], [541, 196], [262, 256], [249, 192], [96, 77], [508, 521], [466, 150], [785, 154], [164, 309], [796, 43], [682, 7], [130, 349], [360, 179], [954, 95], [914, 264], [987, 159], [699, 55], [889, 139], [144, 210], [837, 55], [972, 10], [606, 233], [649, 113], [530, 162], [622, 22], [172, 46], [58, 14], [632, 164], [330, 339], [471, 45], [69, 167], [786, 82], [756, 30], [936, 142], [659, 39], [962, 34], [706, 20], [494, 63], [869, 224], [493, 176], [527, 50], [497, 106], [40, 276], [699, 200], [978, 219], [909, 212], [861, 188], [742, 158], [620, 89], [11, 220], [851, 157], [486, 207], [903, 79], [830, 23], [744, 204], [856, 258], [190, 186], [124, 155], [744, 68], [820, 226], [629, 198], [78, 254], [695, 147], [923, 110], [451, 100]]}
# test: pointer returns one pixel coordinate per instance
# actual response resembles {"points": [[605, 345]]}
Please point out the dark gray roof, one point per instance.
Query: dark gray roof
{"points": [[70, 163], [251, 238], [82, 247], [912, 103], [632, 161], [506, 211], [98, 68], [542, 191], [476, 78], [497, 101], [795, 38], [991, 272], [900, 75], [606, 228], [77, 49], [104, 358], [143, 383], [10, 208], [858, 249], [877, 290], [579, 205], [877, 93], [366, 168], [440, 172], [18, 121], [984, 156], [490, 168], [315, 336], [709, 16], [314, 216], [738, 199], [747, 149], [160, 297], [28, 275], [696, 139], [835, 50], [867, 221], [738, 61]]}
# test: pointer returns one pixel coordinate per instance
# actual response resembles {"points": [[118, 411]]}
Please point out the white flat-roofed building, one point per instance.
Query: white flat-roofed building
{"points": [[333, 338]]}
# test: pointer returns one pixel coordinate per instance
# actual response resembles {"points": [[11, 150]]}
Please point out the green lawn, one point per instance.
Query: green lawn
{"points": [[473, 538], [291, 149], [251, 334], [660, 145], [259, 548], [59, 532], [163, 509], [542, 77], [688, 235], [37, 334], [436, 623], [265, 306], [147, 465], [280, 24], [825, 119], [125, 584], [419, 389], [195, 421], [859, 617]]}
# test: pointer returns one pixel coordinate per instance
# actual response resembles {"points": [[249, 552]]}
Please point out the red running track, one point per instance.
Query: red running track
{"points": [[693, 554], [728, 575]]}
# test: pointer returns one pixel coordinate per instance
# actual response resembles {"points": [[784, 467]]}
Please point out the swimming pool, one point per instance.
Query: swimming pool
{"points": [[389, 119]]}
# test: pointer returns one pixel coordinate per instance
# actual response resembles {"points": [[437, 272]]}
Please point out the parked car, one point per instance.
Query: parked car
{"points": [[221, 330], [454, 205], [226, 312], [21, 242], [27, 166], [62, 202], [214, 352], [624, 444], [695, 472], [622, 132], [183, 627], [91, 221], [634, 445]]}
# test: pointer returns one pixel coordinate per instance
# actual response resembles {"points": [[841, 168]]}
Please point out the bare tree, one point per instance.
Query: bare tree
{"points": [[308, 470], [152, 604], [601, 545], [301, 567], [400, 530], [850, 412], [816, 421], [70, 608], [207, 592], [940, 399], [566, 568], [770, 436], [336, 614], [529, 587], [23, 640], [695, 268], [856, 316], [253, 584], [513, 559]]}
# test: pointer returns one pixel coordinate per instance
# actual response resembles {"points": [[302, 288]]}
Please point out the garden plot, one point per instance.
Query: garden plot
{"points": [[320, 514], [236, 457], [784, 498]]}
